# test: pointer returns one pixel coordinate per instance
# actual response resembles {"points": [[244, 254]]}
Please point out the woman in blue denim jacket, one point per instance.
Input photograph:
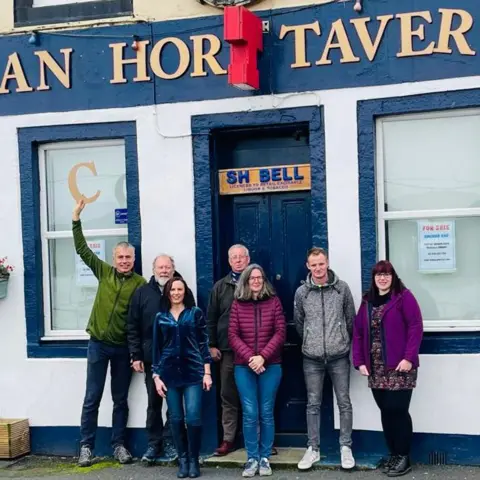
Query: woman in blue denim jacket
{"points": [[181, 370]]}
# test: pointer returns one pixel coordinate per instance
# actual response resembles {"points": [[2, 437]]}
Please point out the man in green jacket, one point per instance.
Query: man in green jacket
{"points": [[108, 341]]}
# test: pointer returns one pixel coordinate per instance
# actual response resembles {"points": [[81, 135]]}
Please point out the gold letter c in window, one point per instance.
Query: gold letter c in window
{"points": [[72, 182]]}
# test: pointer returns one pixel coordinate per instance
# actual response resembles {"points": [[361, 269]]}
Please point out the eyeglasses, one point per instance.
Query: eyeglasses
{"points": [[237, 257], [255, 279], [383, 275]]}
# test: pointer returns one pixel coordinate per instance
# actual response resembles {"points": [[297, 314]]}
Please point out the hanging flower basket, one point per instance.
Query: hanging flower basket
{"points": [[5, 271]]}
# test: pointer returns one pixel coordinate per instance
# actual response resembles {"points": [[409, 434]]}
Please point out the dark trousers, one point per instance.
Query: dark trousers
{"points": [[229, 396], [99, 355], [396, 420], [155, 429]]}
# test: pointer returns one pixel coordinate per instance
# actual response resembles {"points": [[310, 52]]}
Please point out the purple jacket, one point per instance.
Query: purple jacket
{"points": [[402, 332]]}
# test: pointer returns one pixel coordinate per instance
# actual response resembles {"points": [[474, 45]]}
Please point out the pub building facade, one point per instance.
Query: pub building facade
{"points": [[353, 126]]}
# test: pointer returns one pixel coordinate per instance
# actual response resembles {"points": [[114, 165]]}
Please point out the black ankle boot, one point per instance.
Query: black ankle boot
{"points": [[400, 467], [387, 463], [183, 468], [194, 439], [194, 468]]}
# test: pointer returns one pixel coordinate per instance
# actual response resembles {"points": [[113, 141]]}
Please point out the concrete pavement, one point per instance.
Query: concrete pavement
{"points": [[32, 468]]}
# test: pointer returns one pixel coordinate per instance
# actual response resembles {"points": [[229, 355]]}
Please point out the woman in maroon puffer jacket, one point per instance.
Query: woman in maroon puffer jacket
{"points": [[256, 335]]}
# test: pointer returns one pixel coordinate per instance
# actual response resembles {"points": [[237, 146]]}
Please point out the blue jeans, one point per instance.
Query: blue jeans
{"points": [[193, 404], [99, 354], [257, 394]]}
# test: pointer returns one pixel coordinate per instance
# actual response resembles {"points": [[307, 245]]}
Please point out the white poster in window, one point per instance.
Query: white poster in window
{"points": [[436, 246], [84, 276]]}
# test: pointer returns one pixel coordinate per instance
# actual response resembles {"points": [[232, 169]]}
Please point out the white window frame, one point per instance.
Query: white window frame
{"points": [[453, 325], [51, 334]]}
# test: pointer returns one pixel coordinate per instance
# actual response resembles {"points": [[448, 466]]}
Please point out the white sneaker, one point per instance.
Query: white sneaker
{"points": [[251, 468], [348, 462], [311, 456]]}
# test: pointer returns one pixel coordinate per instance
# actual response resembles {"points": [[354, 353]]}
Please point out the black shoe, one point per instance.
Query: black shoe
{"points": [[194, 468], [400, 467], [85, 458], [183, 468], [122, 455], [387, 463]]}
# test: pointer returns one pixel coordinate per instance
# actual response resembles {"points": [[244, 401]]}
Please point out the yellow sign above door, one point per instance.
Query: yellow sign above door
{"points": [[283, 178]]}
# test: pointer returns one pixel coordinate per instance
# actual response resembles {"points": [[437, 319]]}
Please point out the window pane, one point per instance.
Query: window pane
{"points": [[72, 285], [452, 293], [96, 171], [432, 163]]}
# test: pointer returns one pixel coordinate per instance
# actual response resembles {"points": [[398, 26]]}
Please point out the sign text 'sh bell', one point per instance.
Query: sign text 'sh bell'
{"points": [[243, 30]]}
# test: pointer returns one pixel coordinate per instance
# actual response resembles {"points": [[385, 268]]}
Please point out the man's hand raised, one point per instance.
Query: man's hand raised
{"points": [[78, 210]]}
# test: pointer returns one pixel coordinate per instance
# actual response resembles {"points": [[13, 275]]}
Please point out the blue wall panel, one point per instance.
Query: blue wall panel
{"points": [[92, 59]]}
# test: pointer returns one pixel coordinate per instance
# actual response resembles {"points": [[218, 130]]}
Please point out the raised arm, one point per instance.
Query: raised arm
{"points": [[98, 267]]}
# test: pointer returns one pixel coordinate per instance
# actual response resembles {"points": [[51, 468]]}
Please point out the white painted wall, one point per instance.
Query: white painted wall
{"points": [[446, 400]]}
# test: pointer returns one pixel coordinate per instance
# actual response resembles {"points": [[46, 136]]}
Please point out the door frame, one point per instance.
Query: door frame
{"points": [[205, 197]]}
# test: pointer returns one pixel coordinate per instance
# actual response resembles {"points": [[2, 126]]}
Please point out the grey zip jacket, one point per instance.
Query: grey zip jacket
{"points": [[324, 318]]}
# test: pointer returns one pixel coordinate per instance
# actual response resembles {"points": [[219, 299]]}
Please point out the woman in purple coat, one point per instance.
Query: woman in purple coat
{"points": [[387, 334]]}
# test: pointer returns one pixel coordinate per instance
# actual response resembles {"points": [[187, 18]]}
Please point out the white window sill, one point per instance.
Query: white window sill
{"points": [[64, 338]]}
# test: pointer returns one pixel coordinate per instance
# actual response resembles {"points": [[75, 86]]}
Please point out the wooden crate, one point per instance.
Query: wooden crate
{"points": [[14, 437]]}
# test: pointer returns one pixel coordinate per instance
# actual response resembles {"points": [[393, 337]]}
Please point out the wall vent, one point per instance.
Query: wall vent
{"points": [[437, 458]]}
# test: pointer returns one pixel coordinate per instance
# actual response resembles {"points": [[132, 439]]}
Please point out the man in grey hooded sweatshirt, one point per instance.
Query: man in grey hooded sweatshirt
{"points": [[324, 311]]}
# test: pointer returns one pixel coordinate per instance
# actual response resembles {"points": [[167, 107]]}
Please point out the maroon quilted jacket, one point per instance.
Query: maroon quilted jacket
{"points": [[257, 328]]}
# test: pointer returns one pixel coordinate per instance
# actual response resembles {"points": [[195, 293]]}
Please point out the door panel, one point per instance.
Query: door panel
{"points": [[276, 229]]}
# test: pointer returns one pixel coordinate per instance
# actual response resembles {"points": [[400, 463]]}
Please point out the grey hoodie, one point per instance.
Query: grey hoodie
{"points": [[324, 318]]}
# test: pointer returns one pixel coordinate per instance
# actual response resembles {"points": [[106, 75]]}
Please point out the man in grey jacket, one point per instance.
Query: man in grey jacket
{"points": [[324, 311]]}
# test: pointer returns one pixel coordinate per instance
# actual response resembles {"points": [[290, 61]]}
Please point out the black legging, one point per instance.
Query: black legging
{"points": [[396, 421]]}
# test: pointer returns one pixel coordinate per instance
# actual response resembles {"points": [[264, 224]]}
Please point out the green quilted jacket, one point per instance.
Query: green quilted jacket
{"points": [[108, 320]]}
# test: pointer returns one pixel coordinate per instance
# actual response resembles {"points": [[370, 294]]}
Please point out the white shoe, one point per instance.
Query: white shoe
{"points": [[311, 456], [348, 462]]}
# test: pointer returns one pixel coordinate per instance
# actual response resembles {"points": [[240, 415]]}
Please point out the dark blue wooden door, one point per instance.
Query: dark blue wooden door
{"points": [[276, 229]]}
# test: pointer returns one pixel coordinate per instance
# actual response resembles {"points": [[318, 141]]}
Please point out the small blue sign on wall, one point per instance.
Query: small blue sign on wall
{"points": [[121, 216]]}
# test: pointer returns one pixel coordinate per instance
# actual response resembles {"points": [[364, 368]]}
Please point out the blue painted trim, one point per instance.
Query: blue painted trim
{"points": [[368, 446], [203, 127], [367, 112], [28, 141]]}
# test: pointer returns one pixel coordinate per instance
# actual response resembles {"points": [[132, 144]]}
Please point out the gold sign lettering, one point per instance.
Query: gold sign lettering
{"points": [[156, 58], [14, 71], [140, 61], [466, 23], [370, 47], [73, 186], [47, 61], [407, 34], [199, 56], [300, 39], [338, 31]]}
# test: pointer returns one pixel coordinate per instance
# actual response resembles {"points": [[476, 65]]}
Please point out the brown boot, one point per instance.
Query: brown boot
{"points": [[225, 448]]}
